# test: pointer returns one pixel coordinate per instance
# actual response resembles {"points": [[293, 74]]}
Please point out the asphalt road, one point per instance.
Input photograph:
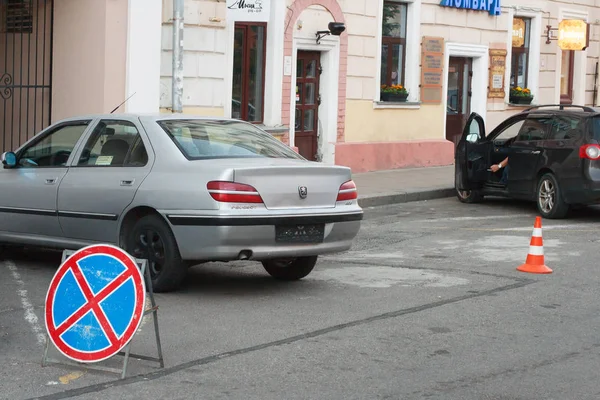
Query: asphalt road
{"points": [[427, 305]]}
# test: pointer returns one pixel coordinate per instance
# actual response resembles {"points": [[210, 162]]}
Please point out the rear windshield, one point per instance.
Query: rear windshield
{"points": [[596, 128], [205, 139]]}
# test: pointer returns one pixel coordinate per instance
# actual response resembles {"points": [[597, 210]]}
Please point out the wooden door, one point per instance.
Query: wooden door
{"points": [[458, 106], [307, 103]]}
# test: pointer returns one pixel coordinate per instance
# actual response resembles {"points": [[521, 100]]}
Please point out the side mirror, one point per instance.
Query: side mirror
{"points": [[472, 138], [9, 159]]}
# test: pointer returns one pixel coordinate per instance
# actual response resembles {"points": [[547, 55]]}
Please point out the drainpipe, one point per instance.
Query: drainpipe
{"points": [[177, 56]]}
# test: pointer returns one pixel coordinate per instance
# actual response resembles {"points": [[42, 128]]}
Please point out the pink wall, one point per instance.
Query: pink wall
{"points": [[365, 157], [90, 50]]}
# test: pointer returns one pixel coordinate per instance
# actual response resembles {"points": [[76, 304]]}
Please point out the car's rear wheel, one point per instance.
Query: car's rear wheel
{"points": [[151, 238], [550, 202], [469, 196], [291, 269]]}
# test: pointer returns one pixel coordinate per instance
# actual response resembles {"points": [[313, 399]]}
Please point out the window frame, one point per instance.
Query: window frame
{"points": [[246, 26], [50, 131], [390, 41], [137, 138], [567, 98], [517, 51]]}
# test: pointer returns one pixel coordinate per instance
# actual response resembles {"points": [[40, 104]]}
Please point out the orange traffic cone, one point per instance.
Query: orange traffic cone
{"points": [[535, 258]]}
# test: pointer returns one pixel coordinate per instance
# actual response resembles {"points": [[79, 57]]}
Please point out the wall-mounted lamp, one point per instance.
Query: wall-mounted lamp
{"points": [[335, 29]]}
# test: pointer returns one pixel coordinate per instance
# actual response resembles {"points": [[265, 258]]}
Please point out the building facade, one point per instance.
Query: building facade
{"points": [[326, 95]]}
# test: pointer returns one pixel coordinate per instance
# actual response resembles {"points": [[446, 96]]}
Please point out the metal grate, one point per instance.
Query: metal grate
{"points": [[19, 18]]}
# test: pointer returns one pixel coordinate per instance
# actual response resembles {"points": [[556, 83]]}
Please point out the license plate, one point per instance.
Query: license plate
{"points": [[300, 233]]}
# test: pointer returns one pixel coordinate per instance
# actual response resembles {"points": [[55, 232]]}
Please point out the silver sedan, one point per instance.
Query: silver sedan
{"points": [[176, 190]]}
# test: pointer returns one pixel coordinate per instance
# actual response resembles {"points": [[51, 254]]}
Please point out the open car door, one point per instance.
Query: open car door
{"points": [[469, 163]]}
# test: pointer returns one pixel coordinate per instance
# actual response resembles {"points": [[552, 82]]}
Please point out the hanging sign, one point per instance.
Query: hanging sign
{"points": [[573, 34], [248, 10], [518, 32], [491, 6], [497, 70]]}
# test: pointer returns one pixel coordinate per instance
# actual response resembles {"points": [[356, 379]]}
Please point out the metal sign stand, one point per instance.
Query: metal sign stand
{"points": [[143, 264]]}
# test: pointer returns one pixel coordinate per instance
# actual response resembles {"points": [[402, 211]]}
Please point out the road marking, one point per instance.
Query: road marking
{"points": [[486, 217], [30, 316], [66, 379], [563, 227]]}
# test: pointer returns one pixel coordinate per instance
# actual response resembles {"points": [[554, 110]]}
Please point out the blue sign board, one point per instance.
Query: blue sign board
{"points": [[95, 303], [491, 6]]}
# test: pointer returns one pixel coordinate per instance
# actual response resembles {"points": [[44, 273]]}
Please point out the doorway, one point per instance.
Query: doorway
{"points": [[458, 106], [307, 104], [25, 70]]}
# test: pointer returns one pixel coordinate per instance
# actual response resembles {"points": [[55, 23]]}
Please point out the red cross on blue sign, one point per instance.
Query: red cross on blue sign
{"points": [[95, 303]]}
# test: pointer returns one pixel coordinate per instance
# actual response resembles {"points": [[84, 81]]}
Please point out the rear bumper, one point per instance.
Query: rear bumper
{"points": [[224, 238]]}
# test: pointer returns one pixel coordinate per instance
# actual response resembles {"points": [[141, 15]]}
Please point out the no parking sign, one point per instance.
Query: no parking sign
{"points": [[95, 303]]}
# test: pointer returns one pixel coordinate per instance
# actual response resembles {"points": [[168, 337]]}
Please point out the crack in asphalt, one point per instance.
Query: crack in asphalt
{"points": [[463, 383], [320, 332], [384, 263]]}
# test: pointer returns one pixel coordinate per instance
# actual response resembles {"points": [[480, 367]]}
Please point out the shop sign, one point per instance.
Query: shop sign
{"points": [[573, 34], [491, 6], [518, 33], [432, 67], [248, 10]]}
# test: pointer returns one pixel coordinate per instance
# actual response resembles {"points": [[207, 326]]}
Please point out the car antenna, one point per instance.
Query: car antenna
{"points": [[117, 107]]}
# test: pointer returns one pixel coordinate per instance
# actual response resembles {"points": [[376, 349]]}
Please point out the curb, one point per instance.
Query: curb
{"points": [[405, 197]]}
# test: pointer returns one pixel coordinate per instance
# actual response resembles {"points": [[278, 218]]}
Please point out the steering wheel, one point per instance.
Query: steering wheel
{"points": [[58, 156], [28, 161]]}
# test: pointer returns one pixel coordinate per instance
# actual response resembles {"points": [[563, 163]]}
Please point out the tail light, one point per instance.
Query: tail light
{"points": [[347, 191], [231, 192], [590, 151]]}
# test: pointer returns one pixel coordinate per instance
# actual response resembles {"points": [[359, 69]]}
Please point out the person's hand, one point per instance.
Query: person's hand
{"points": [[495, 168]]}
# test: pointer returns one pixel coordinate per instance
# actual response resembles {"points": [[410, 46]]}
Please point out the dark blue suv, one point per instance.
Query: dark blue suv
{"points": [[553, 154]]}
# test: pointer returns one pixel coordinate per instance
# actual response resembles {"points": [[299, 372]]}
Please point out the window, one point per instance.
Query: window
{"points": [[565, 128], [201, 139], [114, 144], [511, 131], [393, 43], [520, 52], [54, 149], [534, 129], [18, 17], [566, 76], [249, 60]]}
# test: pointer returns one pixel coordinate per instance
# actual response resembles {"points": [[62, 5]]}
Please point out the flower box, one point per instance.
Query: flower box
{"points": [[520, 99], [394, 97]]}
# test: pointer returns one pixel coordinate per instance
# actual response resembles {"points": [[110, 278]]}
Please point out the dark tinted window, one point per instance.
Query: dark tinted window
{"points": [[565, 127], [596, 128], [534, 128], [202, 139]]}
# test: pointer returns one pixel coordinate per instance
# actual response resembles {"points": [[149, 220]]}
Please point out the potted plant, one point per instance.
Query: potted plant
{"points": [[520, 95], [397, 93]]}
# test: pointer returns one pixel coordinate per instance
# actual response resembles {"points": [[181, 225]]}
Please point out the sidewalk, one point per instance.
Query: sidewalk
{"points": [[403, 185]]}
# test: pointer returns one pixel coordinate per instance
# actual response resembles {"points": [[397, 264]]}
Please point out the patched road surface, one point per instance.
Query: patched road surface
{"points": [[427, 305]]}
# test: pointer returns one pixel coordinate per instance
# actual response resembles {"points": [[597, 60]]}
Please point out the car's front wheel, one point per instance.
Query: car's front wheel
{"points": [[290, 269], [151, 238], [469, 196], [550, 202]]}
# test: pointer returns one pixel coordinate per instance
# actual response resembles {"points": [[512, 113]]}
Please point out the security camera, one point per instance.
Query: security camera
{"points": [[336, 28]]}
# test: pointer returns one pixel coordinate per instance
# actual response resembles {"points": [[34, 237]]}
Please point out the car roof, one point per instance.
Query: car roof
{"points": [[148, 117], [563, 109]]}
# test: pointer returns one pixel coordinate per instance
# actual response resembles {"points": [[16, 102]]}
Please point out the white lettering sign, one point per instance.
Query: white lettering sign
{"points": [[248, 10]]}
